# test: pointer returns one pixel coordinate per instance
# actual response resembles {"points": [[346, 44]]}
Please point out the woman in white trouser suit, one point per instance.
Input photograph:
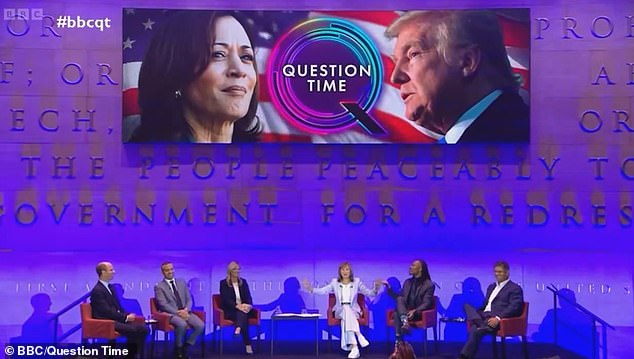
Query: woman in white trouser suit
{"points": [[346, 289]]}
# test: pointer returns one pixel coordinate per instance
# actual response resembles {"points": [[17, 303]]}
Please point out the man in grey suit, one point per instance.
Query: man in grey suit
{"points": [[416, 296], [173, 297]]}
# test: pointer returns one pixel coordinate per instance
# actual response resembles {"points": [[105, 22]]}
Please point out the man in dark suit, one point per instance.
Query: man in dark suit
{"points": [[173, 297], [416, 296], [105, 305], [455, 77], [504, 299]]}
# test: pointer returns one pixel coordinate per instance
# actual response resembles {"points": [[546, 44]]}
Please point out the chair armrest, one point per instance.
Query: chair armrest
{"points": [[219, 316], [98, 328], [429, 317], [513, 326], [365, 312], [162, 321], [258, 316], [330, 317], [389, 317]]}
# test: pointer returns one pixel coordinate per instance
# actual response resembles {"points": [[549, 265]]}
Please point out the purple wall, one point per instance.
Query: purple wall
{"points": [[55, 226]]}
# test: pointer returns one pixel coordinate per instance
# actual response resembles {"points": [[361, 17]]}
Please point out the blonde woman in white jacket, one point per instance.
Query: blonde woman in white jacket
{"points": [[346, 288]]}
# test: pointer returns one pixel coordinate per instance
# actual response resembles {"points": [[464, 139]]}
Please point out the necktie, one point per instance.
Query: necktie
{"points": [[179, 302], [442, 141]]}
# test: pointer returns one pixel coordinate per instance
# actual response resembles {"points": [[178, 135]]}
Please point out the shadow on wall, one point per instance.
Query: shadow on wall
{"points": [[128, 304], [196, 290], [40, 326], [379, 308], [574, 328], [290, 301], [471, 294]]}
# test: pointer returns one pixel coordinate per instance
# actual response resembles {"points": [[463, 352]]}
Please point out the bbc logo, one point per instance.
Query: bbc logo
{"points": [[23, 14]]}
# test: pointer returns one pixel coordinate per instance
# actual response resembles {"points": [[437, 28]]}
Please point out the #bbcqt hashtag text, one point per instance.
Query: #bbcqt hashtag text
{"points": [[77, 22]]}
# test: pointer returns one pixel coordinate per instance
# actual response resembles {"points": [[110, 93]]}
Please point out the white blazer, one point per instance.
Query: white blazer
{"points": [[357, 287]]}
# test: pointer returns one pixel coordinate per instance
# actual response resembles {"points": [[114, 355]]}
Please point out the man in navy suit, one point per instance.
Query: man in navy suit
{"points": [[173, 297], [504, 299], [455, 77], [105, 305]]}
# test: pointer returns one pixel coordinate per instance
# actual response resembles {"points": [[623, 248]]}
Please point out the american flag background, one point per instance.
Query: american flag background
{"points": [[139, 25]]}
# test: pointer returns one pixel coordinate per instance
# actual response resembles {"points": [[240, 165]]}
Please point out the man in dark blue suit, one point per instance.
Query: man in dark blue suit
{"points": [[504, 299], [455, 76], [105, 305]]}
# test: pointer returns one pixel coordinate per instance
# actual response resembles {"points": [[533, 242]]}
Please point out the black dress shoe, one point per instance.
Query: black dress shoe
{"points": [[186, 351]]}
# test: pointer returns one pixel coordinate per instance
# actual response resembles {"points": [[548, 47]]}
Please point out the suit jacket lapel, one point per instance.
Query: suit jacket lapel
{"points": [[110, 297], [499, 293], [407, 286], [233, 293], [355, 290], [419, 291], [182, 291], [489, 292], [114, 301], [503, 290]]}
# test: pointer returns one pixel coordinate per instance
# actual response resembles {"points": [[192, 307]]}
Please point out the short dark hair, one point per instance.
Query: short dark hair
{"points": [[165, 263], [177, 55], [502, 264]]}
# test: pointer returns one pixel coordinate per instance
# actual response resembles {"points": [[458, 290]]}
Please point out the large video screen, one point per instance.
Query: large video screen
{"points": [[418, 77]]}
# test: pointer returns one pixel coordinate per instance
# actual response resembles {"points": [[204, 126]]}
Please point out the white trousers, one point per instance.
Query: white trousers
{"points": [[349, 326]]}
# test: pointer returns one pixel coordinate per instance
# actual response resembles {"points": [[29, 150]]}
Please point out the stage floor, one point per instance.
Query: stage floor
{"points": [[379, 351]]}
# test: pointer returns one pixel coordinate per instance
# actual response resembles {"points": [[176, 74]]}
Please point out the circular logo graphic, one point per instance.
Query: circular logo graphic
{"points": [[325, 75]]}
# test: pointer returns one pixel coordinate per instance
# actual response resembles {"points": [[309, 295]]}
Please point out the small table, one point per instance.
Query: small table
{"points": [[151, 325], [295, 316]]}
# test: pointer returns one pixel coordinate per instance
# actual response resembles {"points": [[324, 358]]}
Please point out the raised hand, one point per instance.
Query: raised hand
{"points": [[307, 286], [377, 284]]}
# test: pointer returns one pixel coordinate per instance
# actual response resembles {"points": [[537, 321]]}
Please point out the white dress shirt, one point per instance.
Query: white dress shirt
{"points": [[496, 291], [346, 293], [236, 289]]}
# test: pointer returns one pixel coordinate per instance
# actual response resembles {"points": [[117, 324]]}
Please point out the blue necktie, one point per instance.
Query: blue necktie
{"points": [[442, 141]]}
